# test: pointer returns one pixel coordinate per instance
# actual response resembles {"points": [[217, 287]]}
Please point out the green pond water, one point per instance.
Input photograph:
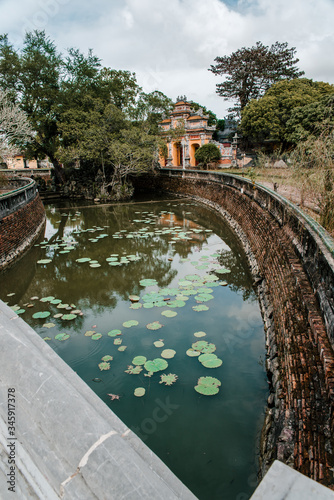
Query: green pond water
{"points": [[196, 288]]}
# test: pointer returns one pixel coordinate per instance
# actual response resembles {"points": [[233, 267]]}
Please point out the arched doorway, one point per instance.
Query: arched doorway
{"points": [[178, 155], [193, 149]]}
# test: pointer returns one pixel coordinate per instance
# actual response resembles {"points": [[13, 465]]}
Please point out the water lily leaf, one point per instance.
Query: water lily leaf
{"points": [[156, 325], [94, 266], [122, 348], [139, 360], [199, 345], [58, 315], [199, 334], [44, 261], [200, 307], [89, 333], [107, 357], [62, 336], [169, 314], [136, 305], [208, 386], [158, 343], [47, 338], [185, 283], [169, 379], [83, 259], [41, 314], [62, 306], [134, 370], [96, 336], [55, 302], [176, 303], [47, 299], [118, 341], [49, 325], [69, 317], [222, 270], [192, 353], [148, 282], [168, 353], [203, 297], [10, 294], [211, 363], [224, 283], [156, 365], [114, 333], [208, 349], [139, 392], [148, 305], [131, 322], [134, 298], [104, 366]]}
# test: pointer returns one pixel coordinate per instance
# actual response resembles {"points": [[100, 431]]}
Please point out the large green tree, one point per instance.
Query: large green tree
{"points": [[250, 71], [268, 118]]}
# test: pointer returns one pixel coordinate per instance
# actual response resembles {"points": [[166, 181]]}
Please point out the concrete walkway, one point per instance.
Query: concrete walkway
{"points": [[58, 440]]}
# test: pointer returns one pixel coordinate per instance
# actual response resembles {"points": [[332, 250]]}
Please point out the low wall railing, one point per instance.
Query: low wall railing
{"points": [[22, 192], [313, 244]]}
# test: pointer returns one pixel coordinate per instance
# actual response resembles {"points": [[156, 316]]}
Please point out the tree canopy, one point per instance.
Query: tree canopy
{"points": [[275, 116], [206, 154], [249, 72]]}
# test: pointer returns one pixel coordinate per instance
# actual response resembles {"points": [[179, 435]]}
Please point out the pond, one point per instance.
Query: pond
{"points": [[151, 303]]}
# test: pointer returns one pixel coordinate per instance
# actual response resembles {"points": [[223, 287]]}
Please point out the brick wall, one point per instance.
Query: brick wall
{"points": [[19, 230], [299, 420]]}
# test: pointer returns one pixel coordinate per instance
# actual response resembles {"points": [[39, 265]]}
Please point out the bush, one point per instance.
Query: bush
{"points": [[208, 153]]}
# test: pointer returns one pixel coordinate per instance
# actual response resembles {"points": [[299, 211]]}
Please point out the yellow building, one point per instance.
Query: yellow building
{"points": [[20, 162], [181, 151]]}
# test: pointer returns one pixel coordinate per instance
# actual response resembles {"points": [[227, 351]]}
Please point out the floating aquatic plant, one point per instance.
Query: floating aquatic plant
{"points": [[139, 360], [158, 343], [131, 322], [134, 370], [41, 314], [156, 365], [168, 353], [62, 336], [49, 325], [208, 386], [169, 314], [200, 307], [114, 333], [122, 348], [148, 282], [107, 357], [192, 353], [96, 336], [139, 392], [44, 261], [69, 317], [169, 379], [156, 325], [104, 366], [199, 334]]}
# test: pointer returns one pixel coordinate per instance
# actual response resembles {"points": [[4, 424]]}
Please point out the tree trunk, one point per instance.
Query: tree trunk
{"points": [[59, 172]]}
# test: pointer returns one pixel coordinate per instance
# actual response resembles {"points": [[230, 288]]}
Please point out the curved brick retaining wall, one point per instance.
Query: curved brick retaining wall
{"points": [[22, 217], [292, 263]]}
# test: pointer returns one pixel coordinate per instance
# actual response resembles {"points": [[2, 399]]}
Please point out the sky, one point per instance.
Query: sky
{"points": [[170, 44]]}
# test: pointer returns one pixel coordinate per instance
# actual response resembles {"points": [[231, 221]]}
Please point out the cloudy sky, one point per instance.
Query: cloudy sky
{"points": [[170, 44]]}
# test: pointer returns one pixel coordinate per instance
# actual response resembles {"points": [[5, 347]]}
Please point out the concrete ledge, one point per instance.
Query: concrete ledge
{"points": [[68, 444], [283, 483]]}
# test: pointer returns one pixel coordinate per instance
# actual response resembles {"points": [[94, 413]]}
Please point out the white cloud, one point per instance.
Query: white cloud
{"points": [[170, 44]]}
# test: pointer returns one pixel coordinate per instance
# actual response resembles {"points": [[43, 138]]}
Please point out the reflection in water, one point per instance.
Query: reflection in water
{"points": [[209, 442]]}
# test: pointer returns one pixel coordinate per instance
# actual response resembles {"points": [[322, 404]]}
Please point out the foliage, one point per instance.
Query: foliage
{"points": [[213, 120], [305, 120], [208, 153], [269, 118], [151, 109], [15, 130], [313, 167], [249, 72]]}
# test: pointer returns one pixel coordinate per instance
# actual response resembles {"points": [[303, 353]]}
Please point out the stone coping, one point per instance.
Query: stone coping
{"points": [[67, 443], [283, 483]]}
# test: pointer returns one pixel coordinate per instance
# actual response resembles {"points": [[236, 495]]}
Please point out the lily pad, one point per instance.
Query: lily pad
{"points": [[83, 259], [44, 261], [148, 282], [134, 298], [176, 303], [192, 353], [89, 333], [136, 305], [139, 392], [200, 307], [114, 333], [20, 311], [41, 314], [107, 357], [200, 334], [49, 325], [169, 314], [48, 299], [104, 366], [118, 341], [169, 379], [96, 336], [156, 365], [158, 343], [139, 360], [62, 336], [134, 370], [168, 353], [208, 386], [156, 325], [69, 317], [131, 322], [122, 348]]}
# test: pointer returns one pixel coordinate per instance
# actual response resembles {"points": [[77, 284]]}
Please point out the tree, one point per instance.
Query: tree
{"points": [[15, 130], [251, 71], [151, 108], [208, 153], [212, 116], [310, 119], [268, 118]]}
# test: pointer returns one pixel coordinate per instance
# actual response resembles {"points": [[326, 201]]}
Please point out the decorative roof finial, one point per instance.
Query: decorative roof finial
{"points": [[181, 98]]}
